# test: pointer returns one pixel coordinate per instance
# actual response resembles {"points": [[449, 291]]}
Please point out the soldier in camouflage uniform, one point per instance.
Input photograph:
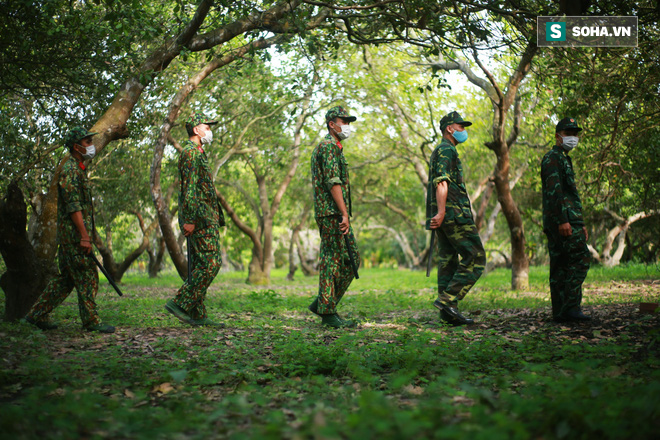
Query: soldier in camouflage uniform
{"points": [[564, 226], [200, 219], [449, 216], [74, 220], [332, 209]]}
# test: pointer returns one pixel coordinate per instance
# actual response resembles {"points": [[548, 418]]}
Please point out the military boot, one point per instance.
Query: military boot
{"points": [[573, 315], [101, 328], [178, 312], [335, 321], [449, 313], [43, 325]]}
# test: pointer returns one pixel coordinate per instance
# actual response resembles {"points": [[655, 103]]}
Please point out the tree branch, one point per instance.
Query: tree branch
{"points": [[460, 65]]}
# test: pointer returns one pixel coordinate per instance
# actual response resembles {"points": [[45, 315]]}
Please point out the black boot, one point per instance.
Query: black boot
{"points": [[450, 314]]}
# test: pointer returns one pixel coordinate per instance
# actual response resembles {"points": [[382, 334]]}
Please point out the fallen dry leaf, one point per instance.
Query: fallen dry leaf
{"points": [[163, 388], [414, 390]]}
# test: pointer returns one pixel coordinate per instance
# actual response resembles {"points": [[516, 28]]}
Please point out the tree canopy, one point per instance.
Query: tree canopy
{"points": [[269, 70]]}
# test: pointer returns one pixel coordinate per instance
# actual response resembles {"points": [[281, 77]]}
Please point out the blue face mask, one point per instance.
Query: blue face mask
{"points": [[460, 136]]}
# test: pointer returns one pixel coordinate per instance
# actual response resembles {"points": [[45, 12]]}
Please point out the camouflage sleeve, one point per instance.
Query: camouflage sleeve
{"points": [[189, 176], [442, 166], [550, 173], [329, 165], [70, 190]]}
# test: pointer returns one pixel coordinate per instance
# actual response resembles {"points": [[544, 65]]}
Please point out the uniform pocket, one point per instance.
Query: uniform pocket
{"points": [[464, 215], [206, 240], [329, 225]]}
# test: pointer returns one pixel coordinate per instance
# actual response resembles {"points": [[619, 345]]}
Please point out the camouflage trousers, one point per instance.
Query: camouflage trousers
{"points": [[206, 262], [569, 264], [456, 278], [76, 270], [335, 271]]}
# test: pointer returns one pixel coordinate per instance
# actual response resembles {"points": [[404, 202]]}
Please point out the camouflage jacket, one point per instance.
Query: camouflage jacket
{"points": [[561, 202], [445, 165], [73, 195], [198, 201], [329, 168]]}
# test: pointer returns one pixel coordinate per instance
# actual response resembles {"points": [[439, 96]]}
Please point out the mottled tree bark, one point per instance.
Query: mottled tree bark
{"points": [[156, 257], [27, 274], [295, 243]]}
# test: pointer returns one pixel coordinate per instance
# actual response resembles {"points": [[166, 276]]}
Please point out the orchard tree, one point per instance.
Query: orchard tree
{"points": [[614, 94]]}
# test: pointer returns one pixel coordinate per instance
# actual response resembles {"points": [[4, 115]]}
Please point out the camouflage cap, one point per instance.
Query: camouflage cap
{"points": [[338, 112], [453, 118], [75, 135], [567, 123], [199, 118]]}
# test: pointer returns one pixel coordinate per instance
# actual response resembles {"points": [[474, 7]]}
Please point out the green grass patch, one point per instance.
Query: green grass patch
{"points": [[274, 372]]}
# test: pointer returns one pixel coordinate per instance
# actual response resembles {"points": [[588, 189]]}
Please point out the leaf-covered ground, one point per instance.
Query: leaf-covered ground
{"points": [[274, 372]]}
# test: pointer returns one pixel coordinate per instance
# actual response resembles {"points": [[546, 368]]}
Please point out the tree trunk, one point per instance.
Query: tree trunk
{"points": [[26, 274], [259, 270], [156, 258], [43, 235], [488, 231], [519, 260], [295, 239], [292, 254], [118, 269], [262, 253], [483, 204], [305, 265], [618, 234], [115, 269]]}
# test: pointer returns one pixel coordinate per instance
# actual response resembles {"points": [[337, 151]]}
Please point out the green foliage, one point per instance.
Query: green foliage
{"points": [[275, 373]]}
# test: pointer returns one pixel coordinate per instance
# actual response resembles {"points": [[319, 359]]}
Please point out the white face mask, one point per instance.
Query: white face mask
{"points": [[90, 152], [569, 142], [345, 132], [208, 137]]}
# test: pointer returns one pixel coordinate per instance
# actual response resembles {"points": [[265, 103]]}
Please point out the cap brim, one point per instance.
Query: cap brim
{"points": [[210, 122], [569, 128], [348, 118], [90, 134], [465, 123]]}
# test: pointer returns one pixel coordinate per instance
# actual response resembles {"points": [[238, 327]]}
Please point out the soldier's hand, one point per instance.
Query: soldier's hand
{"points": [[565, 230], [437, 220], [586, 234], [344, 226], [86, 245], [188, 229]]}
